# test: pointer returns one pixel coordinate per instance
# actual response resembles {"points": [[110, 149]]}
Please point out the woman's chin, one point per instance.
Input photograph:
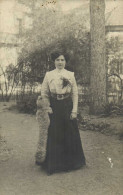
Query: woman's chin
{"points": [[60, 67]]}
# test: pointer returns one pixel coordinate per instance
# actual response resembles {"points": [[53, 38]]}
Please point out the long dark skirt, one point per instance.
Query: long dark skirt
{"points": [[64, 148]]}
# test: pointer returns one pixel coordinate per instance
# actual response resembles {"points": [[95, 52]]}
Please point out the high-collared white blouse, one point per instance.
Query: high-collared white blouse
{"points": [[53, 83]]}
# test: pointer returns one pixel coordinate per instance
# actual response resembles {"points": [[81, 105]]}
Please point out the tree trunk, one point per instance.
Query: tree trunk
{"points": [[98, 68]]}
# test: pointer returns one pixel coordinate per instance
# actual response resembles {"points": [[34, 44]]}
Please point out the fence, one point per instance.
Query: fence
{"points": [[114, 91]]}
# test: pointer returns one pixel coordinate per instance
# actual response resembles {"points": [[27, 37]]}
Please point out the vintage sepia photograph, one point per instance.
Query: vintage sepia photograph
{"points": [[61, 97]]}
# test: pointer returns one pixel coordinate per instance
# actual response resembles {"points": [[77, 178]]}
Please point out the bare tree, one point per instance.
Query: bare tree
{"points": [[98, 69], [10, 80]]}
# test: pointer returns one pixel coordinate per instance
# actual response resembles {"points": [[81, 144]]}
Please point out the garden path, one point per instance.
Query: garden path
{"points": [[20, 176]]}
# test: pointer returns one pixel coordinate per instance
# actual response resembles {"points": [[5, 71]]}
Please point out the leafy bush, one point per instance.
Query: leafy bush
{"points": [[67, 33], [113, 109], [27, 103]]}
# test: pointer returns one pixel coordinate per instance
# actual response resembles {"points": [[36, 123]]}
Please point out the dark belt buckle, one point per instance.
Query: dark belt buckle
{"points": [[59, 97]]}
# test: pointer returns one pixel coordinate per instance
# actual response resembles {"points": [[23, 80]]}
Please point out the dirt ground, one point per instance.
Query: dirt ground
{"points": [[20, 176]]}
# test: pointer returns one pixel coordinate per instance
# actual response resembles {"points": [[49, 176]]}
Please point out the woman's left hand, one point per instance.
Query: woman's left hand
{"points": [[73, 115]]}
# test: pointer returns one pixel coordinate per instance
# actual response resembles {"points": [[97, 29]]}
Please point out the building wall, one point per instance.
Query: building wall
{"points": [[14, 19]]}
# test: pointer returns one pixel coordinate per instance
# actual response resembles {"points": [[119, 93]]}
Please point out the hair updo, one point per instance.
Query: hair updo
{"points": [[56, 54]]}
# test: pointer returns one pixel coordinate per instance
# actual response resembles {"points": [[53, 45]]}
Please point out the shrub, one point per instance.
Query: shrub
{"points": [[113, 109], [27, 103]]}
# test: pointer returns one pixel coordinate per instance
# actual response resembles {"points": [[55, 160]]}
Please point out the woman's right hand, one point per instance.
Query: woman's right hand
{"points": [[49, 110], [73, 115]]}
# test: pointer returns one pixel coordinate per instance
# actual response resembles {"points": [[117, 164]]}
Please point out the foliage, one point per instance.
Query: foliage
{"points": [[52, 30], [27, 103], [114, 55], [56, 31], [113, 109], [10, 81], [114, 62]]}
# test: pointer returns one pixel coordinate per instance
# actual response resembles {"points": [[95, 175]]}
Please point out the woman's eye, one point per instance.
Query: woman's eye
{"points": [[60, 60]]}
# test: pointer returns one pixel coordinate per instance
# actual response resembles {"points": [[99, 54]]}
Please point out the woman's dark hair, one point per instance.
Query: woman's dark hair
{"points": [[56, 54]]}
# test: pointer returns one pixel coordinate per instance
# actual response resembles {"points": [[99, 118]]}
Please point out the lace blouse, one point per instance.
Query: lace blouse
{"points": [[53, 83]]}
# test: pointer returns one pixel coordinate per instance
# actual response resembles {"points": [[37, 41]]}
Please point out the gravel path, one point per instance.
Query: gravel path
{"points": [[20, 176]]}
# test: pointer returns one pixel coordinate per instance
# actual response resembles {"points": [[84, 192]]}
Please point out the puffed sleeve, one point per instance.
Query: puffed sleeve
{"points": [[74, 94], [45, 91]]}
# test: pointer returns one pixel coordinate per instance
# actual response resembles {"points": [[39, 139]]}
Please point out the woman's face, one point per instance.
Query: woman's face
{"points": [[60, 62]]}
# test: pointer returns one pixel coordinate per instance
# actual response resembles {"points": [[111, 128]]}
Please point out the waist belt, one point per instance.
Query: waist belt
{"points": [[60, 96]]}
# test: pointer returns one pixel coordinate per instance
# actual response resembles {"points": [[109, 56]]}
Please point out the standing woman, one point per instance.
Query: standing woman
{"points": [[59, 89]]}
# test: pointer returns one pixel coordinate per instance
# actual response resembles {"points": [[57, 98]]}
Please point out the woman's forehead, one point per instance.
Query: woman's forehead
{"points": [[60, 57]]}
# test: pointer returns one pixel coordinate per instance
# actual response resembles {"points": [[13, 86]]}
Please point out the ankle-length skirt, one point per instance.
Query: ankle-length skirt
{"points": [[64, 147]]}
